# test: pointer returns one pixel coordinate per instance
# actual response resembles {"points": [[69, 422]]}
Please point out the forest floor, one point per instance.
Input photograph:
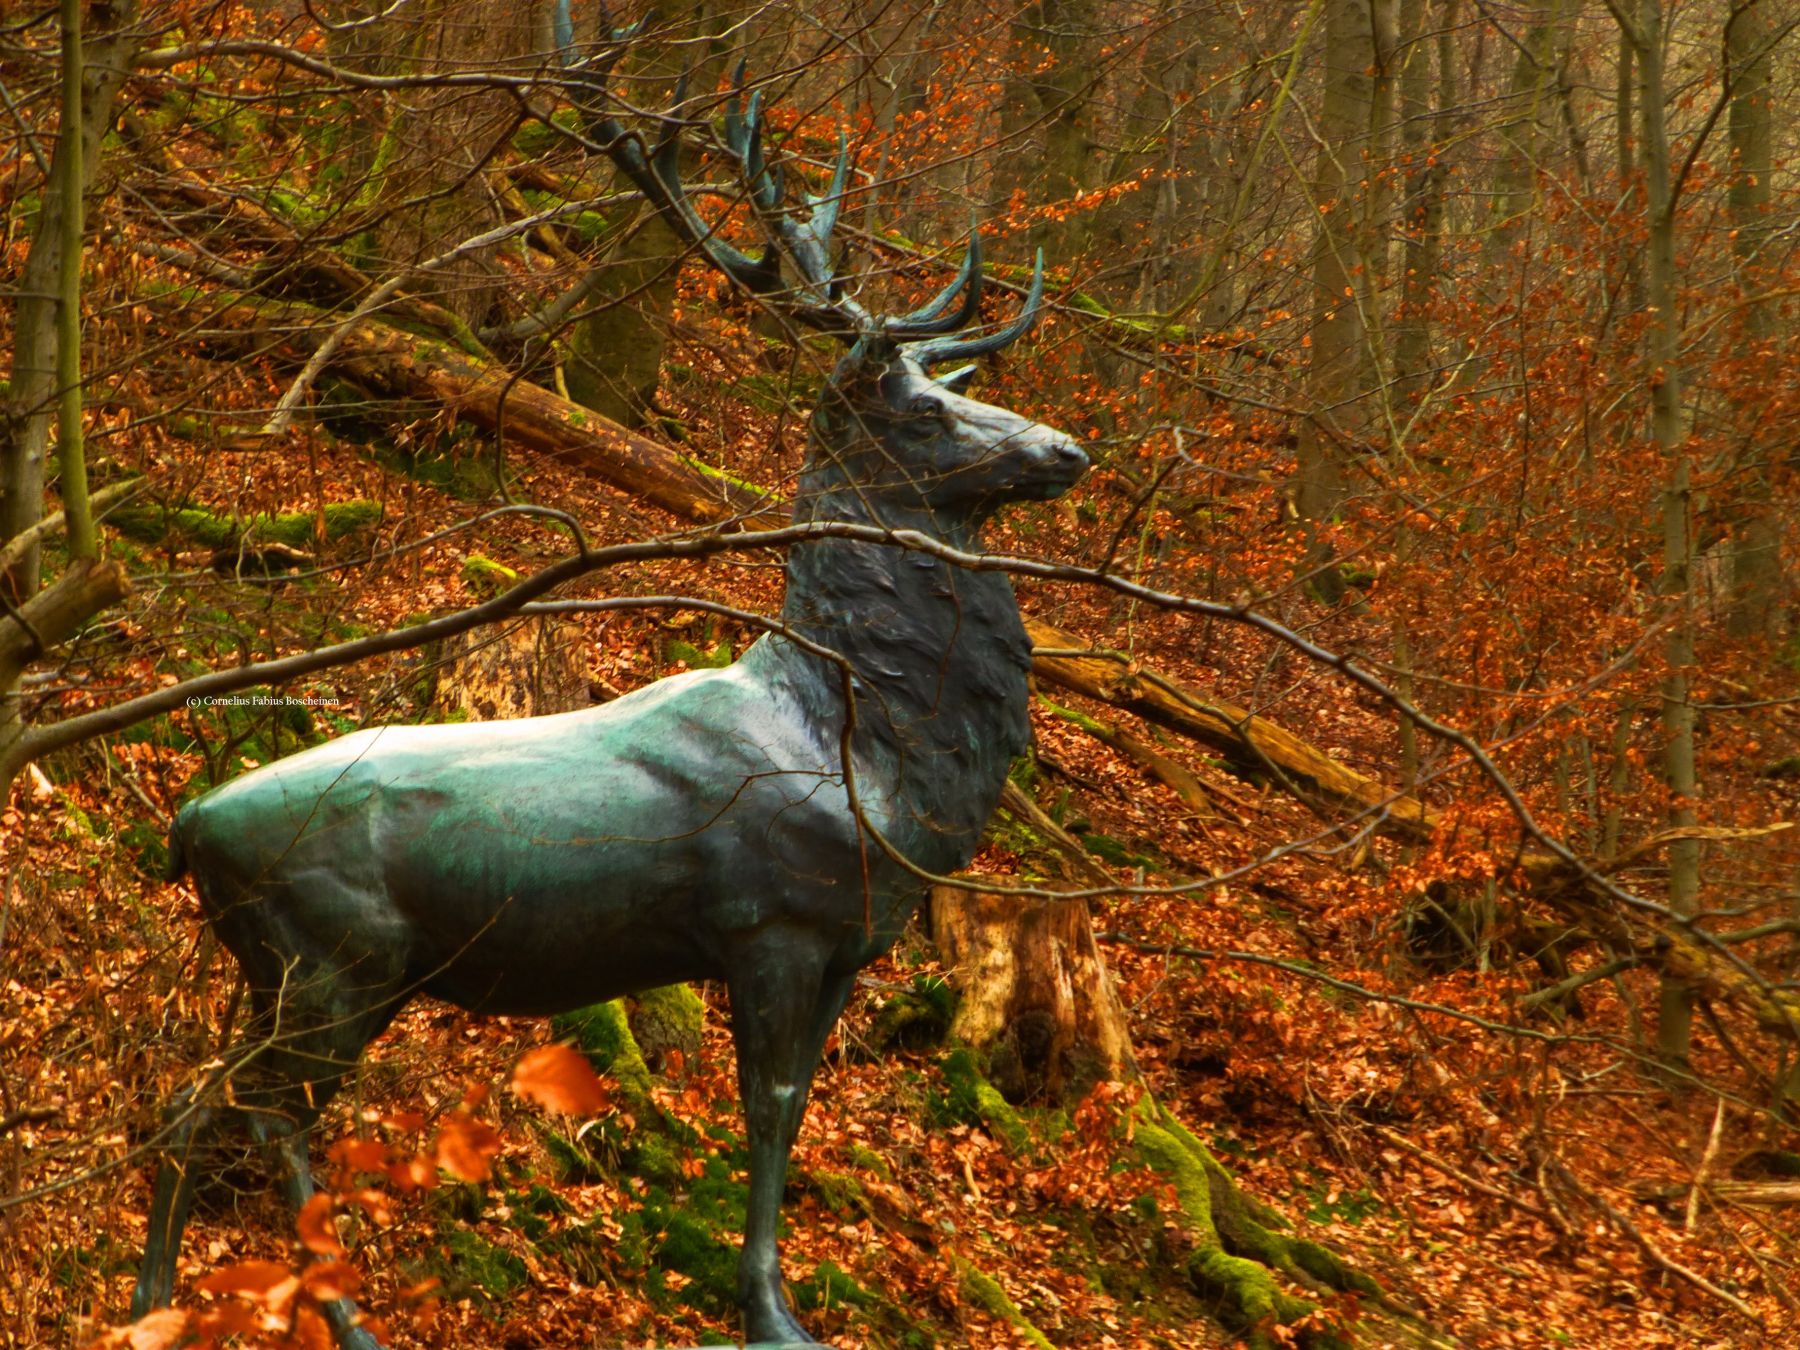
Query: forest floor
{"points": [[1517, 1189]]}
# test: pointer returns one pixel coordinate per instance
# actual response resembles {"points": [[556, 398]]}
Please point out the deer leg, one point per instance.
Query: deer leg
{"points": [[286, 1143], [169, 1203], [301, 1046], [783, 1006]]}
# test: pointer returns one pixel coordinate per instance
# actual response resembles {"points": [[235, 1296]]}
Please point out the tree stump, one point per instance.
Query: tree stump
{"points": [[1034, 991], [521, 670]]}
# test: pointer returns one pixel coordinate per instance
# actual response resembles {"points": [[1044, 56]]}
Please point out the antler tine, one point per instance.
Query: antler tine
{"points": [[825, 209], [941, 349], [930, 320], [806, 243], [658, 174]]}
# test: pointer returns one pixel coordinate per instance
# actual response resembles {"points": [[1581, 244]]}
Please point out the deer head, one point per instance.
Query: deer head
{"points": [[891, 442]]}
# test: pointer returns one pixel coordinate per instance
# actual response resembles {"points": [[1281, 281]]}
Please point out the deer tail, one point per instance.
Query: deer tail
{"points": [[178, 862]]}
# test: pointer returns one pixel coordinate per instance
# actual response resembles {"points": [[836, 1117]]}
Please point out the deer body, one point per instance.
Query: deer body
{"points": [[702, 828]]}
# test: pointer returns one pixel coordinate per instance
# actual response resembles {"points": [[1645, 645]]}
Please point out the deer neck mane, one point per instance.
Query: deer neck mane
{"points": [[940, 657]]}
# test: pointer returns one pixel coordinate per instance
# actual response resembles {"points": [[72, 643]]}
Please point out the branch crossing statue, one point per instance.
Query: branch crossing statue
{"points": [[707, 827]]}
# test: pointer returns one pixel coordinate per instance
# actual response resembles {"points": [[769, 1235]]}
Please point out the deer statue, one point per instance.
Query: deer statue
{"points": [[708, 827]]}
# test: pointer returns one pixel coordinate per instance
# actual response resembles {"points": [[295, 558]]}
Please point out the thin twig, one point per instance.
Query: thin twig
{"points": [[1706, 1162]]}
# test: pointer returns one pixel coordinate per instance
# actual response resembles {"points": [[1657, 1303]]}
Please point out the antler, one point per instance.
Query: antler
{"points": [[937, 350], [819, 300], [806, 243]]}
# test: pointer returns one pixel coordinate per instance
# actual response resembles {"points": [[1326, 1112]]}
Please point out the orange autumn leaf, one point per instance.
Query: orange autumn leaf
{"points": [[375, 1202], [465, 1148], [559, 1078], [360, 1155], [311, 1332], [329, 1280], [317, 1232], [414, 1173], [154, 1331], [230, 1318], [267, 1282]]}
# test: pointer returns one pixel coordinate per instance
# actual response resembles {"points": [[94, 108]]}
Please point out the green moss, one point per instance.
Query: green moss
{"points": [[536, 137], [576, 1162], [975, 1100], [655, 1156], [917, 1019], [603, 1032], [474, 1266], [985, 1293], [697, 657], [485, 577], [1117, 853], [1237, 1255], [840, 1193], [296, 529], [869, 1160], [670, 1018], [74, 825], [742, 484], [830, 1287]]}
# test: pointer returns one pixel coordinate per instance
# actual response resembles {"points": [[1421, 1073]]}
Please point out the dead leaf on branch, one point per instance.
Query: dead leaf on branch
{"points": [[317, 1232], [158, 1330], [466, 1148], [270, 1283], [559, 1078]]}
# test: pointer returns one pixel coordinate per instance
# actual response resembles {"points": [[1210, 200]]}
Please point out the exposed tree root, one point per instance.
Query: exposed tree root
{"points": [[1238, 1254]]}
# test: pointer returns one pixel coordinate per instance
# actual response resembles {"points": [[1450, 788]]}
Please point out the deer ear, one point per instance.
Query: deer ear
{"points": [[957, 381]]}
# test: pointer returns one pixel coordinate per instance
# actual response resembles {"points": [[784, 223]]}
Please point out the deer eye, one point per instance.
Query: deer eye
{"points": [[926, 406]]}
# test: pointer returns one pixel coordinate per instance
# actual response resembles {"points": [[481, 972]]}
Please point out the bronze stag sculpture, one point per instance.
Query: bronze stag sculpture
{"points": [[704, 828]]}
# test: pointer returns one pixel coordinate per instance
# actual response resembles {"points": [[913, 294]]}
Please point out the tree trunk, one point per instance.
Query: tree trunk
{"points": [[1337, 375], [1048, 148], [1422, 203], [528, 669], [1758, 596], [1679, 767], [615, 354], [430, 165], [1033, 993], [46, 378], [31, 399]]}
